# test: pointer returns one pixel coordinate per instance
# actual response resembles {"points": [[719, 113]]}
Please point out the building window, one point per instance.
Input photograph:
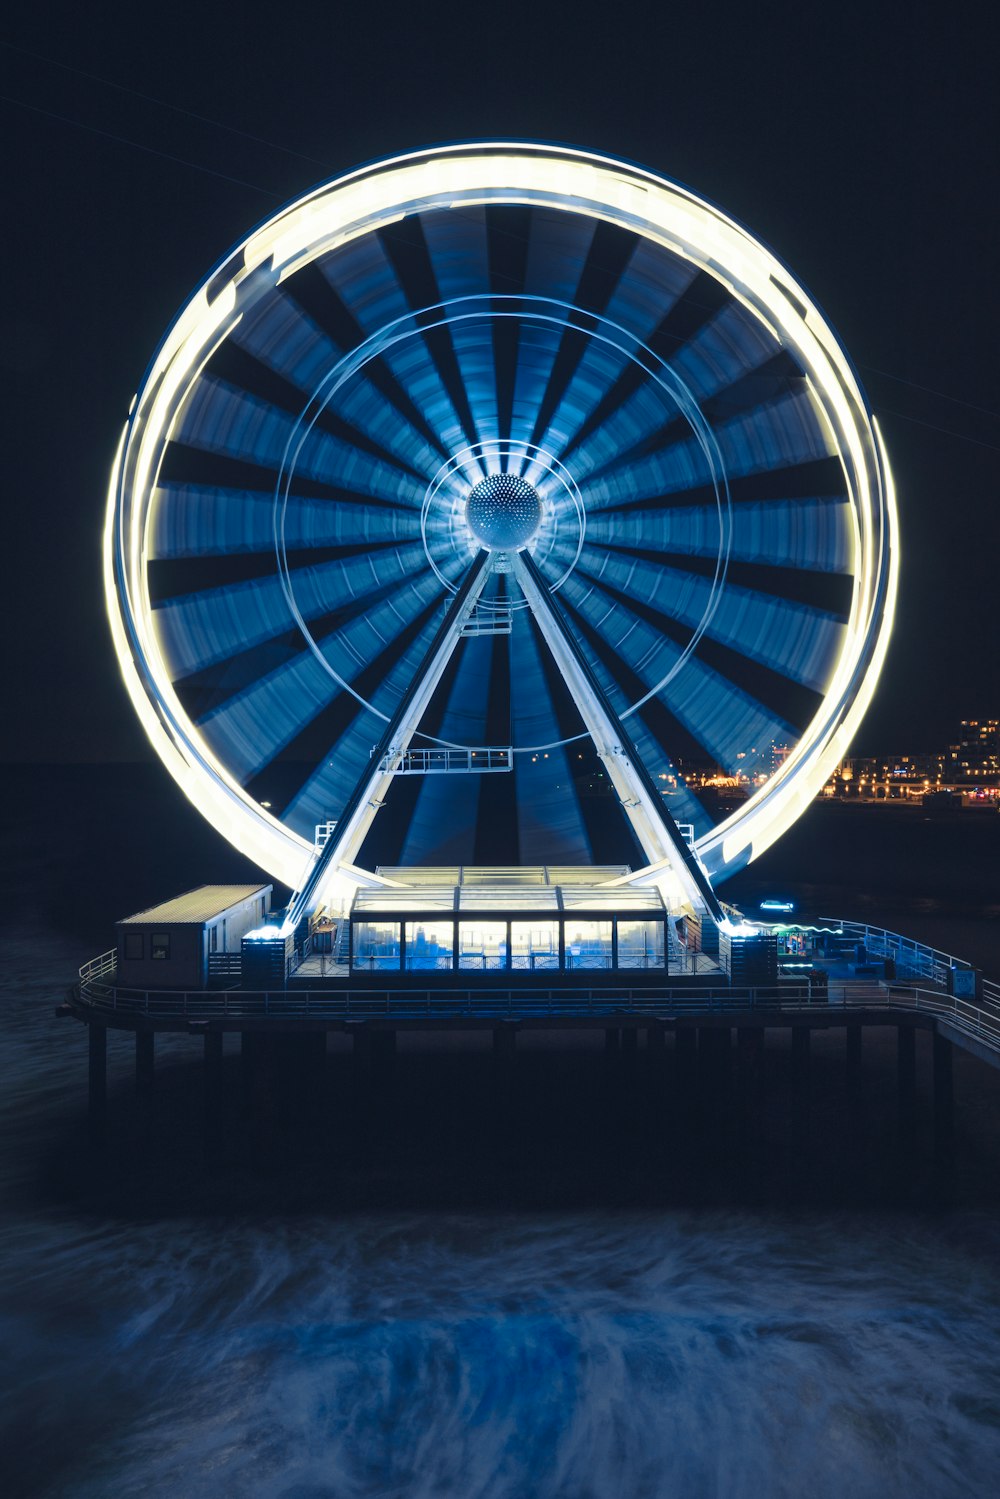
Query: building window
{"points": [[213, 939], [534, 944], [159, 947], [640, 944], [482, 944], [134, 948], [429, 945], [588, 944], [375, 945]]}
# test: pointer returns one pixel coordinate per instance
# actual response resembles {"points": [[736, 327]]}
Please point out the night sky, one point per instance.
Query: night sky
{"points": [[859, 141]]}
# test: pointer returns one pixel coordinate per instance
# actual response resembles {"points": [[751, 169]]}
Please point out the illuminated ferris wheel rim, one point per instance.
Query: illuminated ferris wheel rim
{"points": [[556, 178]]}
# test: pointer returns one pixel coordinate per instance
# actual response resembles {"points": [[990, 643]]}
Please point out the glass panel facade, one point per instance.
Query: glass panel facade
{"points": [[640, 944], [482, 944], [588, 944], [375, 945], [429, 945], [534, 945]]}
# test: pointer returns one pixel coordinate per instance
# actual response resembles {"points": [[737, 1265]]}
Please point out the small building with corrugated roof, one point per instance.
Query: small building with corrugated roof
{"points": [[180, 943]]}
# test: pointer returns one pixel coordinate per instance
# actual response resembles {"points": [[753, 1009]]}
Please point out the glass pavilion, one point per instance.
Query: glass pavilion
{"points": [[540, 919]]}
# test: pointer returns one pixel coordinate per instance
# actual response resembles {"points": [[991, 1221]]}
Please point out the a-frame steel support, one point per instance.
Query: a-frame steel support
{"points": [[666, 849], [343, 846], [659, 836]]}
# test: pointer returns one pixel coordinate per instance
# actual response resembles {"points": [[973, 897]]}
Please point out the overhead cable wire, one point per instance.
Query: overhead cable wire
{"points": [[138, 146], [164, 104], [941, 394], [278, 197]]}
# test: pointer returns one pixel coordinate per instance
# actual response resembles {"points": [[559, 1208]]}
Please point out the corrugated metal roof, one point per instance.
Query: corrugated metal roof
{"points": [[195, 907]]}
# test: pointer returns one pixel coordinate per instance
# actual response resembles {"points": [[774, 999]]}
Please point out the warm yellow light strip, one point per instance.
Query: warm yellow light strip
{"points": [[559, 179]]}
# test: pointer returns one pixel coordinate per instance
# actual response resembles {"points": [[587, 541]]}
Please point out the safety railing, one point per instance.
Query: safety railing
{"points": [[912, 959], [95, 991]]}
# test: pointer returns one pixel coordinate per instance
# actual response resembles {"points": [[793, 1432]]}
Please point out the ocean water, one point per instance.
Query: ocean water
{"points": [[580, 1292]]}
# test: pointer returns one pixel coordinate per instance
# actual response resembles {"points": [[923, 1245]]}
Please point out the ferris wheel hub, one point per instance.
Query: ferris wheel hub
{"points": [[503, 512]]}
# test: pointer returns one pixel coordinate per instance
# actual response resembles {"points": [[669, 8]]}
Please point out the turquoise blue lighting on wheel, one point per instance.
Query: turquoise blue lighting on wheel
{"points": [[532, 350]]}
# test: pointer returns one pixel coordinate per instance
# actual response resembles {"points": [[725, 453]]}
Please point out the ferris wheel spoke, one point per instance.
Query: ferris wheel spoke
{"points": [[548, 806], [441, 819], [794, 642], [362, 284], [201, 468], [192, 520], [578, 753], [728, 366], [608, 255], [658, 735], [316, 298], [199, 629], [784, 434], [279, 354], [539, 255], [238, 368], [810, 534], [508, 240], [409, 256], [828, 593], [265, 718], [211, 687], [681, 305], [223, 420], [729, 723], [347, 732], [175, 577], [459, 252]]}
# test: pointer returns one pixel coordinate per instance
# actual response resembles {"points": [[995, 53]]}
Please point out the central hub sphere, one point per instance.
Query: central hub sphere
{"points": [[503, 512]]}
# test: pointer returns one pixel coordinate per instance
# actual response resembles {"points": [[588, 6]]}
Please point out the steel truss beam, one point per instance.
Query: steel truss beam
{"points": [[659, 836], [343, 846]]}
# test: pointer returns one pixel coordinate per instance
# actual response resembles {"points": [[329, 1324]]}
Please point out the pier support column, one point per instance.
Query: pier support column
{"points": [[145, 1042], [685, 1072], [656, 1054], [801, 1043], [630, 1051], [504, 1041], [944, 1100], [612, 1065], [750, 1082], [213, 1081], [247, 1042], [361, 1039], [504, 1061], [383, 1056], [97, 1078], [853, 1039], [906, 1058], [714, 1064]]}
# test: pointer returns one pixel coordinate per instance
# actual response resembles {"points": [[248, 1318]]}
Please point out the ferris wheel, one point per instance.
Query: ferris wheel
{"points": [[473, 460]]}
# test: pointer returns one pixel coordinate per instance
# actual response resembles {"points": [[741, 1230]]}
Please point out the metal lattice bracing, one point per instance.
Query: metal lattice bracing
{"points": [[515, 352]]}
